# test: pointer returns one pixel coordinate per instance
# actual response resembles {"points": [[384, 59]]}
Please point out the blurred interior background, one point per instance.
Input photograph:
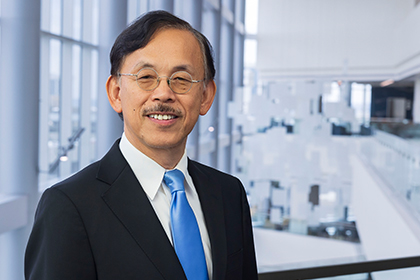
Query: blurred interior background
{"points": [[317, 112]]}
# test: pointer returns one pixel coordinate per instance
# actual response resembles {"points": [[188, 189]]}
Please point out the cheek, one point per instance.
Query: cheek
{"points": [[194, 109], [132, 102]]}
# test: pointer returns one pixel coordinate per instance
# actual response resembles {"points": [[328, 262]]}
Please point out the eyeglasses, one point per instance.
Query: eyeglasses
{"points": [[148, 79]]}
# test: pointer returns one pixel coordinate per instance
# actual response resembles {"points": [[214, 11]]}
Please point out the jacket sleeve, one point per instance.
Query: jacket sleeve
{"points": [[58, 247], [249, 261]]}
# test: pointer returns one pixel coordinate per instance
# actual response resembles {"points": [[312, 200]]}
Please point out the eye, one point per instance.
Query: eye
{"points": [[146, 74], [146, 77], [182, 77]]}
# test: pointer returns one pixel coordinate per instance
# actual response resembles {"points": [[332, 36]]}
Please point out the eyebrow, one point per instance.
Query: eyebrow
{"points": [[182, 67], [142, 64]]}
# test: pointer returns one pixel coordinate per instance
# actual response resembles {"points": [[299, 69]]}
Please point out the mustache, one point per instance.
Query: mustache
{"points": [[162, 108]]}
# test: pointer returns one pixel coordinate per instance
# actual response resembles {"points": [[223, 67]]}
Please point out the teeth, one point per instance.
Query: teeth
{"points": [[162, 117]]}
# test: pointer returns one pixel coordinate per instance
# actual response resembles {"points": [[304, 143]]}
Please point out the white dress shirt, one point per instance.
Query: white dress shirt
{"points": [[150, 175]]}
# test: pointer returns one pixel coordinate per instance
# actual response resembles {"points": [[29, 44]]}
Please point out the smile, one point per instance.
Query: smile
{"points": [[161, 117]]}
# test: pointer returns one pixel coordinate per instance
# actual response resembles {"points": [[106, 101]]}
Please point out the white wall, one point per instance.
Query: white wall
{"points": [[337, 38], [407, 44]]}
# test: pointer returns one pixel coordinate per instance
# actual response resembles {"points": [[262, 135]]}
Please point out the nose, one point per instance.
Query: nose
{"points": [[163, 91], [160, 78]]}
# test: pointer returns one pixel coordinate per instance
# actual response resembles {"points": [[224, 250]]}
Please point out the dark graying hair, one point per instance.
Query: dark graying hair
{"points": [[139, 33]]}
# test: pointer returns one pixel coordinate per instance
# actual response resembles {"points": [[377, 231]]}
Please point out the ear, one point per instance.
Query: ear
{"points": [[113, 91], [208, 97]]}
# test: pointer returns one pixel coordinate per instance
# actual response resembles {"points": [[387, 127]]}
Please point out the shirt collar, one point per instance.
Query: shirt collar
{"points": [[147, 171]]}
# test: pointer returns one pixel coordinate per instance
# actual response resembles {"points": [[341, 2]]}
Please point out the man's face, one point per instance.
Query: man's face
{"points": [[161, 119]]}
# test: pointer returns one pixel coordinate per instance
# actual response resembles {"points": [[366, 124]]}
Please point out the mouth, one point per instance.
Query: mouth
{"points": [[161, 117], [162, 113]]}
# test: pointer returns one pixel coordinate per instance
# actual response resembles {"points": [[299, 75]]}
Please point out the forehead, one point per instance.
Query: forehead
{"points": [[168, 48]]}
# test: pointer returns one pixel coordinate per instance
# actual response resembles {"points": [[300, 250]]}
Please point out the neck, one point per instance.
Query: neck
{"points": [[167, 157]]}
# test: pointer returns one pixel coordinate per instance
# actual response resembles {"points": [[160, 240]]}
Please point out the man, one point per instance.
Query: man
{"points": [[117, 218]]}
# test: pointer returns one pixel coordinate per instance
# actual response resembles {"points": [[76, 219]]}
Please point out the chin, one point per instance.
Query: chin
{"points": [[159, 144]]}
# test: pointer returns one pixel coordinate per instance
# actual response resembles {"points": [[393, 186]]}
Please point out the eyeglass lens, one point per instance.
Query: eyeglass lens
{"points": [[179, 82]]}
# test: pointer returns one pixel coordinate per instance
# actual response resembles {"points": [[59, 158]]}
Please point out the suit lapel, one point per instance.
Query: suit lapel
{"points": [[127, 200], [210, 195]]}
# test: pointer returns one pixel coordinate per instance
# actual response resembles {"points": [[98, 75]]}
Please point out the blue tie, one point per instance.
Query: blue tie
{"points": [[185, 232]]}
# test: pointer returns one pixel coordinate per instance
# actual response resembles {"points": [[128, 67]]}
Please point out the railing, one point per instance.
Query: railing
{"points": [[397, 161], [343, 269]]}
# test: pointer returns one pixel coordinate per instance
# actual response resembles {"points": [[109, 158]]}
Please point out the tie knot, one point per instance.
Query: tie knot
{"points": [[174, 179]]}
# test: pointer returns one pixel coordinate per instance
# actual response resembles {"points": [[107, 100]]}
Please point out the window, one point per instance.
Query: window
{"points": [[68, 87], [135, 8], [251, 43], [361, 95]]}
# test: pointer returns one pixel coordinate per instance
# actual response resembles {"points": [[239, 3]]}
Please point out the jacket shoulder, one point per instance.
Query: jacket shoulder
{"points": [[196, 166], [102, 172], [86, 174]]}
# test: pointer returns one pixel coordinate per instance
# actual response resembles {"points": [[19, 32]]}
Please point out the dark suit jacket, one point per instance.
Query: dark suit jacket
{"points": [[99, 224]]}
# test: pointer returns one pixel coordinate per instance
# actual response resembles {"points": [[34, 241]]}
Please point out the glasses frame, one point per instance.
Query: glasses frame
{"points": [[168, 79]]}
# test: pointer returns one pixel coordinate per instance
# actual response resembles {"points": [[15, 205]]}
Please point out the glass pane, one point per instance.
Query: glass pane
{"points": [[208, 122], [56, 16], [54, 102], [404, 273], [76, 69], [94, 106], [77, 19], [137, 7], [75, 114], [92, 26], [333, 93], [250, 53], [368, 100], [0, 54], [360, 101], [251, 16]]}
